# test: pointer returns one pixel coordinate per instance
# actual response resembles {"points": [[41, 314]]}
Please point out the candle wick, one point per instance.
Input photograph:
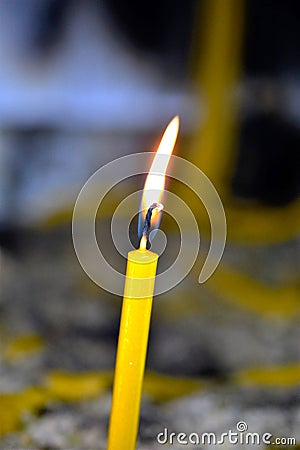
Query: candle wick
{"points": [[147, 224]]}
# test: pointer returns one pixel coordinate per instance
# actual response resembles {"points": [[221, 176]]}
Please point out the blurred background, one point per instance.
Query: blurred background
{"points": [[85, 82]]}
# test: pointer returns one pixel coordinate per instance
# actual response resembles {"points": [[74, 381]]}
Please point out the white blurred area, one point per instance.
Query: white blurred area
{"points": [[93, 91], [93, 79]]}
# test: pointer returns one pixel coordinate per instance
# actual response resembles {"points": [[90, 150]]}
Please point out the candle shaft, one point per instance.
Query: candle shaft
{"points": [[132, 349]]}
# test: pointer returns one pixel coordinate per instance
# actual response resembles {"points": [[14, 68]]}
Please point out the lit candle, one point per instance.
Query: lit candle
{"points": [[136, 308]]}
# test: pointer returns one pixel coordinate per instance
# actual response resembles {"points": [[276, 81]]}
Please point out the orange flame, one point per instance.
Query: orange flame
{"points": [[155, 181]]}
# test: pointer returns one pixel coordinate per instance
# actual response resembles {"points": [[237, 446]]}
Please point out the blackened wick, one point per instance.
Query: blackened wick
{"points": [[147, 222]]}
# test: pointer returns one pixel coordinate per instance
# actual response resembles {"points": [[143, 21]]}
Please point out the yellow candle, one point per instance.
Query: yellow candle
{"points": [[132, 348], [136, 310]]}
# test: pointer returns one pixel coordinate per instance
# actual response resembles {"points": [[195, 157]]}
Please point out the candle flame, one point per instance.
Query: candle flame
{"points": [[155, 181]]}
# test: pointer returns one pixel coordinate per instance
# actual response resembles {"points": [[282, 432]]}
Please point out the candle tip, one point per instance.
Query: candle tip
{"points": [[143, 243]]}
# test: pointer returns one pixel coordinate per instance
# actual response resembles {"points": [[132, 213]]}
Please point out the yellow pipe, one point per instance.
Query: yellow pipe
{"points": [[212, 148]]}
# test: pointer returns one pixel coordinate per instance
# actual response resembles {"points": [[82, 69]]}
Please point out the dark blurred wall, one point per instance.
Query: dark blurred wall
{"points": [[268, 160], [161, 29]]}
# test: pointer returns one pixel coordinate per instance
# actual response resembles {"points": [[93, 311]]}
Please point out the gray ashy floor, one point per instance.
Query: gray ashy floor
{"points": [[46, 293]]}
